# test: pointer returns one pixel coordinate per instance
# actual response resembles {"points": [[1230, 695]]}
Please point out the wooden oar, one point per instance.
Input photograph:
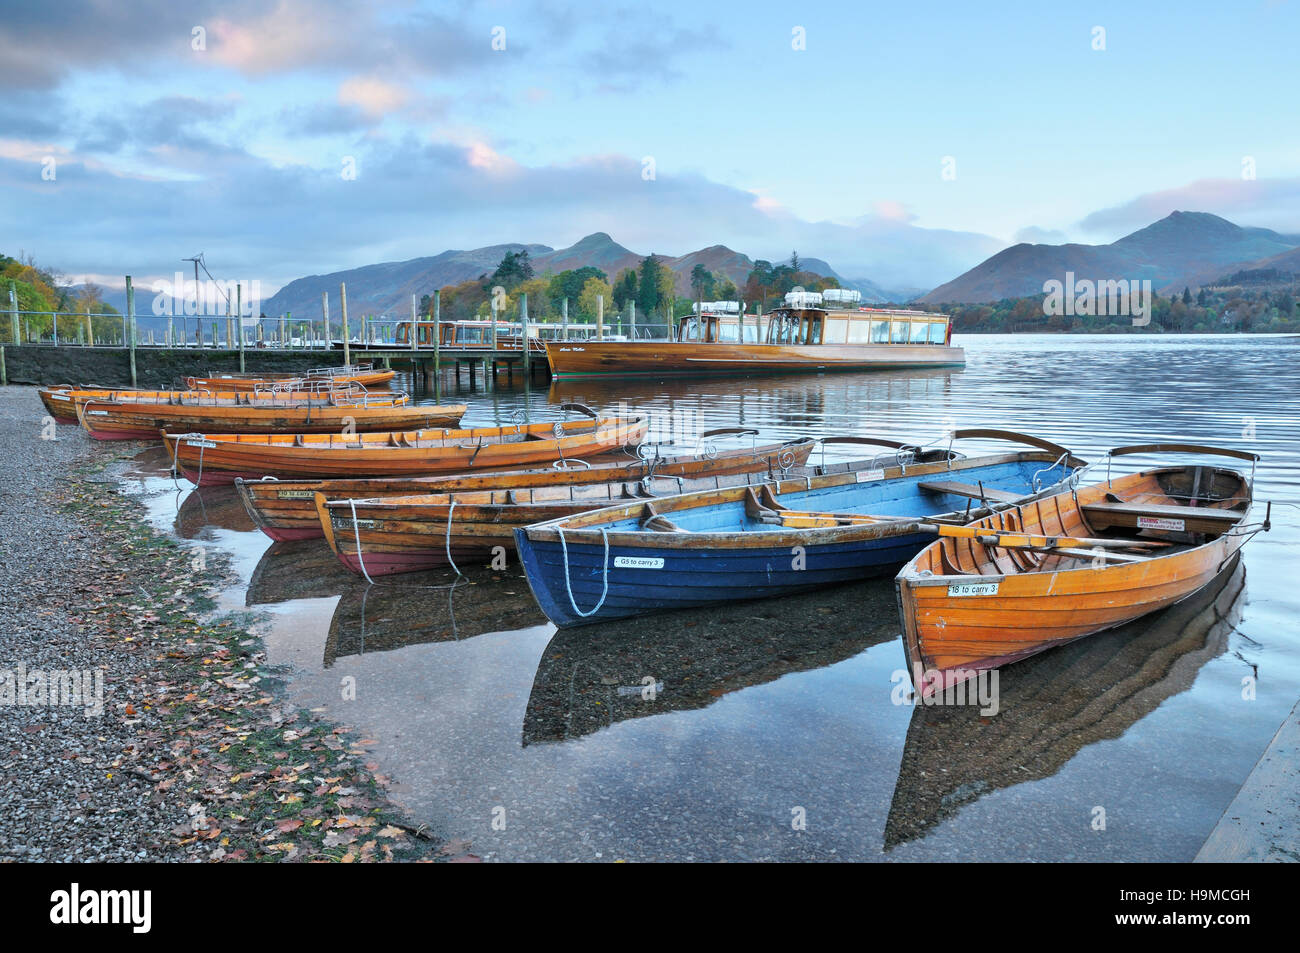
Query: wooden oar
{"points": [[1010, 540]]}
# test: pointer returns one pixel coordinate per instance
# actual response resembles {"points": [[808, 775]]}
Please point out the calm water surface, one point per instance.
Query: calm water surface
{"points": [[766, 712]]}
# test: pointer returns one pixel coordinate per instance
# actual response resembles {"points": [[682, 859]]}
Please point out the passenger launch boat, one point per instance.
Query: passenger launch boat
{"points": [[752, 542], [1055, 569], [814, 331]]}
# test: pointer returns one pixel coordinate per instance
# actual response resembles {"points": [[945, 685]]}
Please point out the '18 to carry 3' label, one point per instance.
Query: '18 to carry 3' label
{"points": [[199, 443], [974, 589], [868, 476], [638, 562], [296, 494], [1151, 522]]}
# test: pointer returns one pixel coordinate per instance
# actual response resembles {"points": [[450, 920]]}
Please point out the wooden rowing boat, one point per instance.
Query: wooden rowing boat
{"points": [[214, 458], [1052, 570], [747, 542], [61, 400], [364, 375], [145, 416], [1052, 706], [378, 537], [287, 509]]}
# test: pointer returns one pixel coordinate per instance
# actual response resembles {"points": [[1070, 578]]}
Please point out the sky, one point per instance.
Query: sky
{"points": [[902, 143]]}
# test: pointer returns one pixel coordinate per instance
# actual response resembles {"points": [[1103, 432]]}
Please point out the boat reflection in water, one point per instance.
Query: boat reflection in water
{"points": [[295, 569], [427, 607], [594, 676], [1055, 704], [218, 507]]}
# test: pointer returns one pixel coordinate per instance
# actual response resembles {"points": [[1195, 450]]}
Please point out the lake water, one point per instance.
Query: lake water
{"points": [[772, 730]]}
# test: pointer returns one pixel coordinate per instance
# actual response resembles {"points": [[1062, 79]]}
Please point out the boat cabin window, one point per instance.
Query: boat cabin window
{"points": [[837, 331], [898, 332], [812, 330], [920, 332], [938, 332]]}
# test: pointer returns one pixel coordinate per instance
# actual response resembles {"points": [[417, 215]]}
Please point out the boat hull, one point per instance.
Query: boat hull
{"points": [[676, 358], [725, 552], [215, 459], [995, 611], [105, 421], [279, 507]]}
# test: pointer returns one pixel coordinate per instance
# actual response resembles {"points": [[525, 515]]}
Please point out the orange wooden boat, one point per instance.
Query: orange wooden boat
{"points": [[145, 416], [61, 400], [376, 537], [365, 375], [207, 459], [287, 510], [1046, 572]]}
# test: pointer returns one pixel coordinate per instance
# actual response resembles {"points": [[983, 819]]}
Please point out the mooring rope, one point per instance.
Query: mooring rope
{"points": [[604, 591], [356, 535], [451, 562]]}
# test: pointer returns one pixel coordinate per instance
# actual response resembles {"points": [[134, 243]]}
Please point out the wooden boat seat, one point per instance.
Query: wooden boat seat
{"points": [[1196, 519], [954, 488]]}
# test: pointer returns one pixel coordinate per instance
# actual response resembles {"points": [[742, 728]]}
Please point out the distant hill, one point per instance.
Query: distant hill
{"points": [[386, 288], [1183, 249]]}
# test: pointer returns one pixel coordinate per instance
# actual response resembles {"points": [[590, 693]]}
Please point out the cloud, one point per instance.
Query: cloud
{"points": [[1034, 235], [1269, 203], [373, 96], [272, 222]]}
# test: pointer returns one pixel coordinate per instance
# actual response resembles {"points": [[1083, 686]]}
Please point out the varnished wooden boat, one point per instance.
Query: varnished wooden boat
{"points": [[1047, 572], [378, 537], [1054, 705], [219, 458], [286, 509], [135, 417], [748, 543], [364, 375], [61, 400]]}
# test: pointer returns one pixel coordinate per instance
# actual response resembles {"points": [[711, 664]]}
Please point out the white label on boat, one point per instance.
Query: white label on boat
{"points": [[346, 523], [974, 589], [1151, 522], [61, 397], [199, 443], [98, 413], [638, 562], [295, 494], [869, 476]]}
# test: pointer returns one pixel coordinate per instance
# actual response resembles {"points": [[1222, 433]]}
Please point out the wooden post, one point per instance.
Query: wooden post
{"points": [[239, 321], [631, 328], [130, 311], [325, 310], [283, 324], [55, 316], [343, 303], [13, 310], [364, 339], [564, 319], [523, 329], [437, 337], [600, 317], [4, 376], [415, 323]]}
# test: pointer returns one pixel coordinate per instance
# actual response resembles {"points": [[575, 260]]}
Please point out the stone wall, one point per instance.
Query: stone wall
{"points": [[157, 368]]}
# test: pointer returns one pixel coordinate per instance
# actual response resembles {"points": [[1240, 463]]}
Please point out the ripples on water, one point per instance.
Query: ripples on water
{"points": [[765, 707]]}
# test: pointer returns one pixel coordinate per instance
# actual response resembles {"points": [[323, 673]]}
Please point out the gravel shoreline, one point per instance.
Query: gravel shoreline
{"points": [[195, 756]]}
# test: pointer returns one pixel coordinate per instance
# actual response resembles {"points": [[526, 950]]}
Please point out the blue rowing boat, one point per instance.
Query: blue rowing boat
{"points": [[754, 542]]}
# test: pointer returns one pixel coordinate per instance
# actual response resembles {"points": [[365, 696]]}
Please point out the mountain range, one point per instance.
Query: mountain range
{"points": [[386, 288], [1184, 249]]}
